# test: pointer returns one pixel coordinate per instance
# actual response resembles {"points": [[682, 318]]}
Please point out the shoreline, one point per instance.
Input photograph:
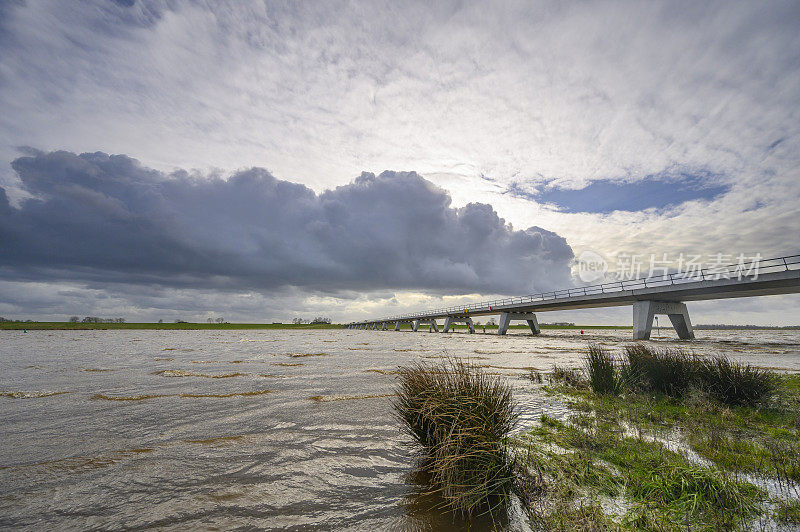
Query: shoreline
{"points": [[67, 326], [60, 325]]}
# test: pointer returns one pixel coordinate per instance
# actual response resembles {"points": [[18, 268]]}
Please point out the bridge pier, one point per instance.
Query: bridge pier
{"points": [[397, 326], [506, 317], [449, 321], [416, 323], [384, 326], [644, 311]]}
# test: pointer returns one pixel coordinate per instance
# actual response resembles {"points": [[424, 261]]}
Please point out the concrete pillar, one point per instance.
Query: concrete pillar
{"points": [[384, 326], [448, 322], [506, 317], [644, 311], [415, 325], [432, 323], [397, 326], [452, 320]]}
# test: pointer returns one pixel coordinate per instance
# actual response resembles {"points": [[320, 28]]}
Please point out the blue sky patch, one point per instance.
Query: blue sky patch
{"points": [[605, 196]]}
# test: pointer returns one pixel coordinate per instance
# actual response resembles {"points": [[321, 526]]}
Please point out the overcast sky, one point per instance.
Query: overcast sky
{"points": [[261, 161]]}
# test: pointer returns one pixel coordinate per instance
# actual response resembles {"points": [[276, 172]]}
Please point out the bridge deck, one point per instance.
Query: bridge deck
{"points": [[772, 277]]}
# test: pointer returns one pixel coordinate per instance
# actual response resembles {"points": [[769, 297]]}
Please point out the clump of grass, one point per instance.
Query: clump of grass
{"points": [[570, 377], [667, 371], [733, 383], [603, 374], [461, 418], [788, 513]]}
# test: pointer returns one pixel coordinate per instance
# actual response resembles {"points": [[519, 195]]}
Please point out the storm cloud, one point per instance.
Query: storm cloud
{"points": [[98, 217]]}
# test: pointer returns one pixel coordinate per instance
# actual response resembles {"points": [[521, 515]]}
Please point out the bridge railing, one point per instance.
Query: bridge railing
{"points": [[738, 271]]}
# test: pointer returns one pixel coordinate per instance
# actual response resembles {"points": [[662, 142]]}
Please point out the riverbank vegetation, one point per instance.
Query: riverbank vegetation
{"points": [[663, 440], [60, 325], [651, 440]]}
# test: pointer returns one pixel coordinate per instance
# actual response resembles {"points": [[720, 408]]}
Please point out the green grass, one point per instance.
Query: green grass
{"points": [[789, 513], [666, 371], [614, 440], [604, 377], [663, 486], [735, 384], [57, 325]]}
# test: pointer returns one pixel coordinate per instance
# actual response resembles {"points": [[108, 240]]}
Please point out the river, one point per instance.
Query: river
{"points": [[270, 429]]}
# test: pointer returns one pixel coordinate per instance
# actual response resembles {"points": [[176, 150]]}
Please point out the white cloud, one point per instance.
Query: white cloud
{"points": [[517, 92]]}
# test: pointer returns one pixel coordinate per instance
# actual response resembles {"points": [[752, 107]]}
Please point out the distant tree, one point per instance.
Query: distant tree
{"points": [[120, 320], [299, 321], [220, 320], [74, 319], [2, 319], [210, 320], [160, 321], [477, 323], [320, 320], [491, 322]]}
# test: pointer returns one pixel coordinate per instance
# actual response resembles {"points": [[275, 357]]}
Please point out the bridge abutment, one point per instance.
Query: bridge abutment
{"points": [[645, 311], [506, 317]]}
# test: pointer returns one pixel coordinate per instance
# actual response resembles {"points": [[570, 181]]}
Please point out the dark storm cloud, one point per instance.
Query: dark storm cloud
{"points": [[99, 217]]}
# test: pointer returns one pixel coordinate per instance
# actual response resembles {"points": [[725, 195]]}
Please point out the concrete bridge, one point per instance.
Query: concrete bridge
{"points": [[650, 296]]}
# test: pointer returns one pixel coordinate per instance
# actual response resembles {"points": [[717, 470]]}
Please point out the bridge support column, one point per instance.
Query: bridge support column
{"points": [[384, 326], [449, 321], [415, 325], [506, 317], [397, 326], [432, 323], [644, 311]]}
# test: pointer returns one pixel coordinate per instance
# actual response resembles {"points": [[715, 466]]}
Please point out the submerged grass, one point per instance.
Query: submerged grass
{"points": [[461, 418], [675, 454]]}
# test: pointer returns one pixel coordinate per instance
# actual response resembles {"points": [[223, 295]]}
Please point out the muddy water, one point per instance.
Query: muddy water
{"points": [[250, 429]]}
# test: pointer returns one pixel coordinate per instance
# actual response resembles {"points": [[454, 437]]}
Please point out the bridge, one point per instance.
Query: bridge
{"points": [[666, 294]]}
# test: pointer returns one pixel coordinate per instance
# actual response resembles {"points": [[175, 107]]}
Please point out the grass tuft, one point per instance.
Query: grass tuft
{"points": [[603, 375], [733, 383], [461, 418], [667, 371]]}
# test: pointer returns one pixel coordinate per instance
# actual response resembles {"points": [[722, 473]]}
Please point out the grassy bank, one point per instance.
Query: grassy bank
{"points": [[60, 325], [656, 457], [655, 440]]}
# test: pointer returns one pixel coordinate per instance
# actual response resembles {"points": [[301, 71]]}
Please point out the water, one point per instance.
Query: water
{"points": [[129, 429]]}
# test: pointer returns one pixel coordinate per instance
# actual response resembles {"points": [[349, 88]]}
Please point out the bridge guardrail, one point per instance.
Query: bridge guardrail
{"points": [[738, 271]]}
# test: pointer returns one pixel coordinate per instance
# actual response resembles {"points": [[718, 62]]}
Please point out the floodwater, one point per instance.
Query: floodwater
{"points": [[272, 429]]}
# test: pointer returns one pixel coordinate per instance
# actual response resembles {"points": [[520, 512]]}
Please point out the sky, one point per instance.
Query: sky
{"points": [[261, 161]]}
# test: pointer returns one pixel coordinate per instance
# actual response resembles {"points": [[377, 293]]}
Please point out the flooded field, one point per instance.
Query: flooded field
{"points": [[276, 429]]}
